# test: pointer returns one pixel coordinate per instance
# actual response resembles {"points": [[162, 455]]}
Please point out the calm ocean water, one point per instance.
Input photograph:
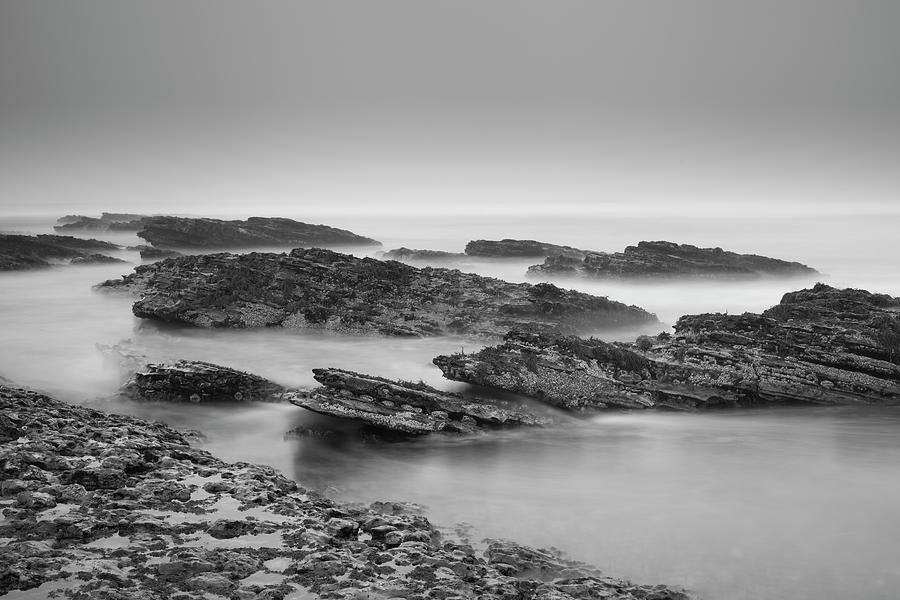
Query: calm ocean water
{"points": [[792, 503]]}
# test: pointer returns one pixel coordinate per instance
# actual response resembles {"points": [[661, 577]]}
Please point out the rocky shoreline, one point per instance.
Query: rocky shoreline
{"points": [[324, 289], [98, 505], [818, 346], [22, 252]]}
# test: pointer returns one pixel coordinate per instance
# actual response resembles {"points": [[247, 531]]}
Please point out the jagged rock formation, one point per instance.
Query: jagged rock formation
{"points": [[508, 248], [18, 252], [151, 253], [668, 260], [106, 222], [321, 288], [820, 346], [182, 232], [412, 408], [196, 381], [403, 254], [98, 505]]}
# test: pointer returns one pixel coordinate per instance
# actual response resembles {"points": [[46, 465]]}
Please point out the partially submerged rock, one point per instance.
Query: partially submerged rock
{"points": [[325, 289], [668, 260], [196, 381], [99, 505], [404, 254], [819, 346], [153, 253], [95, 259], [184, 232], [19, 252], [412, 408], [508, 248], [106, 222]]}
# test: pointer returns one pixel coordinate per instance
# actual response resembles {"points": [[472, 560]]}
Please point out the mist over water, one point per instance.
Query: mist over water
{"points": [[793, 502]]}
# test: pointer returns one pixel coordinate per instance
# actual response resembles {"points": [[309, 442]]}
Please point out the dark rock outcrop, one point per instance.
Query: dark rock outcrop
{"points": [[819, 346], [99, 505], [151, 253], [321, 288], [403, 254], [183, 232], [412, 408], [18, 252], [196, 381], [95, 259], [668, 260], [106, 222], [508, 248]]}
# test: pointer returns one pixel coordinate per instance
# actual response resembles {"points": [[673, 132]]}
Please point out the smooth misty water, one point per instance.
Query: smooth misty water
{"points": [[790, 503]]}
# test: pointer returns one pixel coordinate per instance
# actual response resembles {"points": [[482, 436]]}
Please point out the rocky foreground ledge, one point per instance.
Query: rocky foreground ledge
{"points": [[820, 346], [667, 260], [97, 505], [324, 289]]}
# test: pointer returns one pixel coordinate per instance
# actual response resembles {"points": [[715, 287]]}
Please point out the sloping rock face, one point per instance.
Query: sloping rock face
{"points": [[508, 248], [18, 252], [818, 346], [321, 288], [667, 260], [423, 255], [196, 381], [181, 232], [97, 505], [412, 408]]}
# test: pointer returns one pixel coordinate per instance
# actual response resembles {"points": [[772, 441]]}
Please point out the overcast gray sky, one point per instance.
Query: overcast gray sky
{"points": [[404, 86]]}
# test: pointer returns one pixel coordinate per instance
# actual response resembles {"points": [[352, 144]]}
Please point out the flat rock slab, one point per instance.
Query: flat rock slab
{"points": [[509, 248], [196, 381], [668, 260], [412, 408], [818, 346], [98, 505], [183, 232], [324, 289]]}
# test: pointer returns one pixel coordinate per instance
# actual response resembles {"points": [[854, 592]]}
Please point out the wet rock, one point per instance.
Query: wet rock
{"points": [[508, 248], [819, 346], [324, 289], [196, 381], [407, 254], [182, 232], [106, 222], [668, 260], [95, 259], [153, 253], [407, 407], [18, 252]]}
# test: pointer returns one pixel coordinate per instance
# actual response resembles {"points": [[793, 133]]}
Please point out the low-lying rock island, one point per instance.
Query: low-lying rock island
{"points": [[197, 381], [667, 260], [405, 407], [325, 289], [97, 505], [106, 222], [818, 346], [486, 249], [205, 233], [22, 252]]}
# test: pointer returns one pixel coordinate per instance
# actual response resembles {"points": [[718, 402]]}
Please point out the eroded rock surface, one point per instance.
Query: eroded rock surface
{"points": [[668, 260], [19, 252], [320, 288], [412, 408], [152, 253], [820, 346], [196, 381], [404, 254], [183, 232], [508, 248], [96, 505], [106, 222]]}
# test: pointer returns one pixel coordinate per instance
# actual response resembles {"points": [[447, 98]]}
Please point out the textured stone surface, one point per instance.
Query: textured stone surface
{"points": [[96, 505], [195, 381], [18, 252], [667, 259], [152, 253], [106, 222], [508, 248], [820, 345], [325, 289], [182, 232], [413, 408]]}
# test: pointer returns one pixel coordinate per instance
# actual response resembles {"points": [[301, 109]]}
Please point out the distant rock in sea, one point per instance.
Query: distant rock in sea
{"points": [[19, 252], [196, 381], [100, 505], [152, 253], [404, 254], [818, 346], [183, 232], [324, 289], [667, 260], [508, 248], [410, 408], [106, 222]]}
